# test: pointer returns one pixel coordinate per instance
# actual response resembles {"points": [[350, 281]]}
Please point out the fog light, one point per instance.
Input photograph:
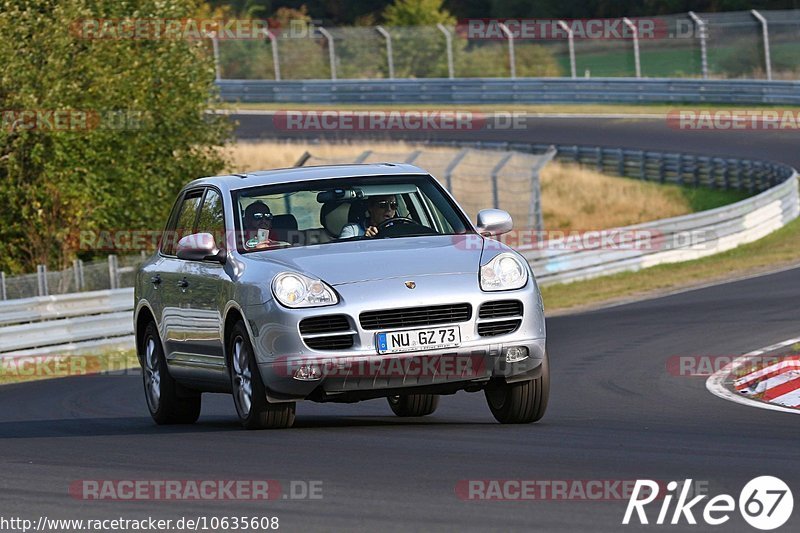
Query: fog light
{"points": [[516, 354], [307, 373]]}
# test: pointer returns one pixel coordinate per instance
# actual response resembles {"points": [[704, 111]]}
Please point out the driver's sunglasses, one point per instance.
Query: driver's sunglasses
{"points": [[265, 216], [386, 204]]}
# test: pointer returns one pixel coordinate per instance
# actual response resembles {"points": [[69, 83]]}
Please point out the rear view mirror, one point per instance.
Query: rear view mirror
{"points": [[492, 222]]}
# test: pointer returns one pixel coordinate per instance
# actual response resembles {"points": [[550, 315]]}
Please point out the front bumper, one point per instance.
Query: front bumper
{"points": [[352, 372]]}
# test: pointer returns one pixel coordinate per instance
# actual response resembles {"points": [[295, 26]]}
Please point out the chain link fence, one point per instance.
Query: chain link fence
{"points": [[741, 44]]}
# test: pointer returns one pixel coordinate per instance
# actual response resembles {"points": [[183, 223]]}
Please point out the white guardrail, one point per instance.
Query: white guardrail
{"points": [[87, 321]]}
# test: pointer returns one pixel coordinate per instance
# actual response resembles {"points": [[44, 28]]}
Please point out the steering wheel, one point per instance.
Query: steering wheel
{"points": [[399, 226]]}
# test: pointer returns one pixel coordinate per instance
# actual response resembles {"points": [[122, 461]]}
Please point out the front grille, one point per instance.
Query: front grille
{"points": [[415, 316], [320, 332], [324, 324], [334, 342], [500, 309], [500, 327]]}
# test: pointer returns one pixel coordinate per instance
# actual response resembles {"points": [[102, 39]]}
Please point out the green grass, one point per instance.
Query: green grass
{"points": [[702, 199], [781, 248]]}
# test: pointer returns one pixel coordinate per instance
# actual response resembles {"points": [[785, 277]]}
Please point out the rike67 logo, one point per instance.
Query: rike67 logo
{"points": [[765, 503]]}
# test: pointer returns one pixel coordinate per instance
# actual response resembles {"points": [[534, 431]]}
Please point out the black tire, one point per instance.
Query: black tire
{"points": [[252, 406], [167, 401], [520, 403], [414, 404]]}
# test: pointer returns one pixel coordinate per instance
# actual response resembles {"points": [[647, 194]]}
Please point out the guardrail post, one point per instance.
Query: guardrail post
{"points": [[331, 50], [643, 166], [599, 156], [765, 34], [3, 293], [449, 41], [41, 280], [511, 59], [635, 33], [389, 54], [621, 163], [661, 169], [495, 171], [276, 64], [77, 271], [113, 272], [448, 173], [571, 44], [703, 35]]}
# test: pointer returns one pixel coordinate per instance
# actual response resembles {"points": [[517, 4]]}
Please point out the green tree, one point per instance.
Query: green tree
{"points": [[417, 13], [147, 135]]}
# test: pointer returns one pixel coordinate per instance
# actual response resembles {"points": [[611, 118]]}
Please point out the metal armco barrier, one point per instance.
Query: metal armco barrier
{"points": [[507, 91]]}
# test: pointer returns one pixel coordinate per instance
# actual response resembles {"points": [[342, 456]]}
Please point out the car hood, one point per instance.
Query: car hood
{"points": [[369, 260]]}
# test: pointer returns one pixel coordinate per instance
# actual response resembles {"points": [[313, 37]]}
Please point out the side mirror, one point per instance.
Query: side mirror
{"points": [[493, 222], [199, 247]]}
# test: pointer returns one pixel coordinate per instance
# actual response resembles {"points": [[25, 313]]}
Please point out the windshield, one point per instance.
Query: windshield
{"points": [[330, 211]]}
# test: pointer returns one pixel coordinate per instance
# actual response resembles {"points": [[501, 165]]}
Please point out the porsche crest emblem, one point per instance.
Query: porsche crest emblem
{"points": [[411, 284]]}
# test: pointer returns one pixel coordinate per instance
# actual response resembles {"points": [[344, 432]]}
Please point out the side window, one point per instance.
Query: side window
{"points": [[212, 217], [184, 221]]}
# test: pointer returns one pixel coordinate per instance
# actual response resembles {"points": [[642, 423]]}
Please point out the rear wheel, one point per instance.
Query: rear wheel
{"points": [[414, 404], [249, 393], [167, 401], [520, 403]]}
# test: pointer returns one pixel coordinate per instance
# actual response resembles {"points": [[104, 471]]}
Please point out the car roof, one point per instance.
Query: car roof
{"points": [[299, 174]]}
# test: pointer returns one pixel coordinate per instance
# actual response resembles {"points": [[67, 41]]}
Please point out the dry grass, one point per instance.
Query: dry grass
{"points": [[572, 197], [580, 198]]}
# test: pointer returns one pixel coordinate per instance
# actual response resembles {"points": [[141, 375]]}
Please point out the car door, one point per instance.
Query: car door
{"points": [[175, 322], [206, 288]]}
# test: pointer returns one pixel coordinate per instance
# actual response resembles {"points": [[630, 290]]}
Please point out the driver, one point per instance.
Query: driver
{"points": [[379, 208]]}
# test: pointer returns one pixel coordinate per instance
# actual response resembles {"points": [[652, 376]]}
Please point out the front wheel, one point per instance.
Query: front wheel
{"points": [[414, 404], [520, 403], [249, 393], [167, 401]]}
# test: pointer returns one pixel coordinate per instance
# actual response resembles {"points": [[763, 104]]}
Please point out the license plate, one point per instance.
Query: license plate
{"points": [[415, 340]]}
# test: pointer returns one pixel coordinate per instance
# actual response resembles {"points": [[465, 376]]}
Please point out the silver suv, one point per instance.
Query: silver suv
{"points": [[336, 284]]}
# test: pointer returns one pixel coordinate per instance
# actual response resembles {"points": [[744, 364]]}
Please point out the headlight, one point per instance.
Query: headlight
{"points": [[296, 290], [503, 273]]}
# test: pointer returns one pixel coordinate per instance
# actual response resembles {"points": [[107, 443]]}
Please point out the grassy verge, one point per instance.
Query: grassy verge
{"points": [[781, 248], [632, 109], [38, 367]]}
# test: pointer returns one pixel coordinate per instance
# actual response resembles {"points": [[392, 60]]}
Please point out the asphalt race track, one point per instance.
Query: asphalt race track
{"points": [[615, 413]]}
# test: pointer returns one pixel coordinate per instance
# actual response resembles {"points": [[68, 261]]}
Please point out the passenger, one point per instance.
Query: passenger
{"points": [[257, 225], [379, 208]]}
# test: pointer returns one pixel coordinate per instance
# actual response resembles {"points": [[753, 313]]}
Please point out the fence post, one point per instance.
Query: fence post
{"points": [[76, 273], [41, 279], [535, 216], [303, 159], [3, 293], [215, 48], [413, 156], [276, 64], [331, 50], [703, 35], [449, 41], [363, 157], [571, 43], [496, 170], [511, 58], [113, 272], [765, 34], [448, 173], [389, 53], [635, 34]]}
